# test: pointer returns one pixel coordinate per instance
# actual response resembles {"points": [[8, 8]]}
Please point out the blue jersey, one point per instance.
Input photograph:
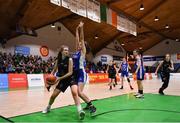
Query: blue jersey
{"points": [[124, 67], [78, 61]]}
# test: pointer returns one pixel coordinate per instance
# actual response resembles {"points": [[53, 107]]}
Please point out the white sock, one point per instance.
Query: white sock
{"points": [[79, 108]]}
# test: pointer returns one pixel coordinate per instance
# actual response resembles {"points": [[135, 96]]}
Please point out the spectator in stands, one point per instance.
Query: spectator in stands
{"points": [[24, 64]]}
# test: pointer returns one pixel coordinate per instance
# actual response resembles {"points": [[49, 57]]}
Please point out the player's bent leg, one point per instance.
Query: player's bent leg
{"points": [[51, 101], [74, 91]]}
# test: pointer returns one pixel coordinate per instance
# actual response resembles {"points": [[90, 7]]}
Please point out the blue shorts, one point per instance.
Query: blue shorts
{"points": [[123, 74], [80, 76], [140, 75]]}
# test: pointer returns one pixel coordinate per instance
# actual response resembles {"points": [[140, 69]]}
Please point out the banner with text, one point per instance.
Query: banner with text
{"points": [[99, 77], [17, 81], [35, 80]]}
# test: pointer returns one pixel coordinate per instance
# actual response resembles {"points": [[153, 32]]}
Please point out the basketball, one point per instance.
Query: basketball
{"points": [[51, 80]]}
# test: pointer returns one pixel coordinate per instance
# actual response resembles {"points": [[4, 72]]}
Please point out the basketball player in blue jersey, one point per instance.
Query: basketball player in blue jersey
{"points": [[79, 67], [139, 71], [124, 67]]}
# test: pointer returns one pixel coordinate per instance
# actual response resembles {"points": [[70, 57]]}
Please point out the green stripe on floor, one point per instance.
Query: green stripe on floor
{"points": [[125, 108]]}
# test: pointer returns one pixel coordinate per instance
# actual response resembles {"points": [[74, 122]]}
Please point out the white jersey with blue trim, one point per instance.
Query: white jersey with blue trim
{"points": [[139, 62]]}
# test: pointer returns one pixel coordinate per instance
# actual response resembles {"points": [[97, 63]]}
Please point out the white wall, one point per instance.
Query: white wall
{"points": [[109, 52], [50, 37], [162, 48], [112, 51], [98, 58]]}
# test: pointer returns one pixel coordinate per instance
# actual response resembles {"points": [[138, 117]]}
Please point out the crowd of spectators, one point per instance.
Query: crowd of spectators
{"points": [[96, 68], [33, 64], [24, 64]]}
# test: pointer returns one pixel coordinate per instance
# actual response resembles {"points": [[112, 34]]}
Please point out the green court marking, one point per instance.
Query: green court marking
{"points": [[125, 108]]}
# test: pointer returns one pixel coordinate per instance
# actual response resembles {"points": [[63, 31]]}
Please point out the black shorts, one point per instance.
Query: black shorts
{"points": [[65, 83], [165, 76], [112, 76]]}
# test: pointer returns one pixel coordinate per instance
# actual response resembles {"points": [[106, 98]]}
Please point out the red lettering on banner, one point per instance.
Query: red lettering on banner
{"points": [[17, 81]]}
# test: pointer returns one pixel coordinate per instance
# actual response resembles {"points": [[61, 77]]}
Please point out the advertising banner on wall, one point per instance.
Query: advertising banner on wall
{"points": [[22, 50], [35, 80], [3, 81], [17, 81], [99, 77], [103, 59]]}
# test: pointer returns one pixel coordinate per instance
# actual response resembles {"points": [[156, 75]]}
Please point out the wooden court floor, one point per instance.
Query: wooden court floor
{"points": [[14, 103]]}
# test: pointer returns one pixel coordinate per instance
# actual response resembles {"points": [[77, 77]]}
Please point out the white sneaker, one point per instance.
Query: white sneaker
{"points": [[140, 96], [81, 115], [136, 94], [46, 110]]}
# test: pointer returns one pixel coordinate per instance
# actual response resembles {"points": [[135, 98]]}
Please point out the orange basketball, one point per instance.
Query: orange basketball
{"points": [[51, 80]]}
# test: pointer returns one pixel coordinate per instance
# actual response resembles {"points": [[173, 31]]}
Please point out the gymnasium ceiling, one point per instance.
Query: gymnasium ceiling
{"points": [[35, 14]]}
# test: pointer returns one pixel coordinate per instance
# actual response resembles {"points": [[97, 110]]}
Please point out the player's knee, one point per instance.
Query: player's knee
{"points": [[74, 94]]}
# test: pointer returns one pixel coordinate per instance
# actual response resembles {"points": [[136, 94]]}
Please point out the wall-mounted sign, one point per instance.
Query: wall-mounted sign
{"points": [[44, 50], [103, 59], [22, 50]]}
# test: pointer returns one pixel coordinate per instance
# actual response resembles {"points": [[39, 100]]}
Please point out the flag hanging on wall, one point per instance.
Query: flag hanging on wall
{"points": [[114, 18], [90, 6], [109, 16], [103, 13], [81, 7], [56, 2], [66, 3], [133, 29], [97, 11], [73, 6], [122, 24]]}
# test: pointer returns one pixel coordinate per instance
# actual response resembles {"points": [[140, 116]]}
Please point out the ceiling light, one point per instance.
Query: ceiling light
{"points": [[122, 44], [167, 26], [53, 26], [96, 37], [141, 7], [177, 39], [156, 18]]}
